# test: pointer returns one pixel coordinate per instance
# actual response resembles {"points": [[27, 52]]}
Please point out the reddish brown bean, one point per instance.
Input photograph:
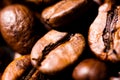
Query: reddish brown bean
{"points": [[56, 50], [104, 32], [90, 69]]}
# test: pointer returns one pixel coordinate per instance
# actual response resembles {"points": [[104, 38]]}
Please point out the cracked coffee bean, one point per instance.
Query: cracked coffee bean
{"points": [[104, 33], [56, 50], [19, 28]]}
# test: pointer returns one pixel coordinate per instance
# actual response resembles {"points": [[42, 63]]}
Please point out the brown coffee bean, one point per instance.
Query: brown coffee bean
{"points": [[16, 68], [22, 69], [103, 34], [18, 28], [90, 69], [56, 50], [63, 12]]}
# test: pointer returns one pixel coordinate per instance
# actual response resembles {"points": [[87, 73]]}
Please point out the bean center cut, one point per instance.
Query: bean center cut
{"points": [[110, 28]]}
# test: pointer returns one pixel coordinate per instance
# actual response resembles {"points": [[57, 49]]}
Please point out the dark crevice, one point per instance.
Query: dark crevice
{"points": [[33, 74], [46, 51], [27, 71], [110, 28], [52, 46]]}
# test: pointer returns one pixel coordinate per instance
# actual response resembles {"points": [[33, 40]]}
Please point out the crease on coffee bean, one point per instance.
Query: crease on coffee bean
{"points": [[52, 46], [109, 30], [46, 50], [28, 75], [29, 72]]}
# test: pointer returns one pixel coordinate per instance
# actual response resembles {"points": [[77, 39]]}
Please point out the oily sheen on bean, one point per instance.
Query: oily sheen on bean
{"points": [[56, 50]]}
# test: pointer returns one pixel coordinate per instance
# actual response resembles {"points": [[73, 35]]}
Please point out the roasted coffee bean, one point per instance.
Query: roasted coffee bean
{"points": [[56, 51], [90, 69], [16, 68], [21, 69], [104, 32], [18, 28], [63, 12]]}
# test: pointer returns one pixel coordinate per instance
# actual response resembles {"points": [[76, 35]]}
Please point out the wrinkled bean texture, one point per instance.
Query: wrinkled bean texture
{"points": [[17, 27], [56, 50], [104, 33]]}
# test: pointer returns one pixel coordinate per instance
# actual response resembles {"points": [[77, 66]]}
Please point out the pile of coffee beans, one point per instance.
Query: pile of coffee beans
{"points": [[59, 40]]}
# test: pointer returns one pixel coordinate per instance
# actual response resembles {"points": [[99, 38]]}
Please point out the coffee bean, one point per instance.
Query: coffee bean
{"points": [[63, 12], [18, 28], [90, 69], [103, 37], [21, 69], [56, 50]]}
